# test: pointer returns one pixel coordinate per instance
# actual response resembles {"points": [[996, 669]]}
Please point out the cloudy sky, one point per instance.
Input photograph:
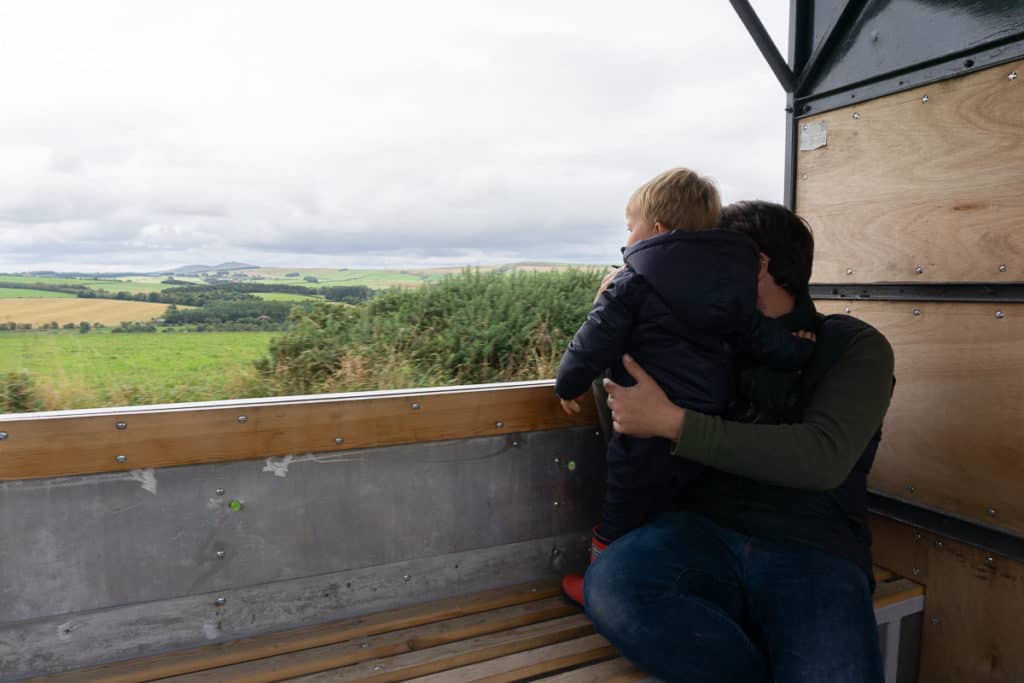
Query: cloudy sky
{"points": [[139, 134]]}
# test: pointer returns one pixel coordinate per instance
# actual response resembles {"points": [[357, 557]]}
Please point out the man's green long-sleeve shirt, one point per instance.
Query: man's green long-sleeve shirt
{"points": [[843, 413]]}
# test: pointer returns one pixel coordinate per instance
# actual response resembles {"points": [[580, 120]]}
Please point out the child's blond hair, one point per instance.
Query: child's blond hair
{"points": [[679, 199]]}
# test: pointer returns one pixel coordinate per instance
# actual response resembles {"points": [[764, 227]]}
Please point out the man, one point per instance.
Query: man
{"points": [[762, 572]]}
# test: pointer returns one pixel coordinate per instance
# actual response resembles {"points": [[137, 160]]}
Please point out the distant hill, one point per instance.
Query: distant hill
{"points": [[199, 268]]}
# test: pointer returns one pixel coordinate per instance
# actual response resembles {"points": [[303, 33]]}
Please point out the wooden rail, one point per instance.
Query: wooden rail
{"points": [[113, 440]]}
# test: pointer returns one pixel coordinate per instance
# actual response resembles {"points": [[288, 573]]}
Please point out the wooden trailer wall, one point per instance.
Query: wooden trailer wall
{"points": [[926, 186]]}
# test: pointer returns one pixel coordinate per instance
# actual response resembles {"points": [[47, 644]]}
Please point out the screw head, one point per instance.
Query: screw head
{"points": [[910, 488], [339, 440], [121, 459], [856, 114], [1000, 315], [847, 309], [805, 127], [1012, 76], [991, 512], [219, 602], [1002, 267], [378, 667], [938, 544], [849, 271], [515, 444], [407, 578], [915, 571], [924, 100], [556, 503], [415, 405], [121, 426], [803, 177], [917, 535], [3, 436], [919, 270], [242, 419], [557, 460], [221, 554], [499, 424], [990, 561], [220, 492], [935, 620], [917, 311]]}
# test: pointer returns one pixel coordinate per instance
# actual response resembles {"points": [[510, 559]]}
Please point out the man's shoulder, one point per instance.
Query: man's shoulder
{"points": [[842, 335]]}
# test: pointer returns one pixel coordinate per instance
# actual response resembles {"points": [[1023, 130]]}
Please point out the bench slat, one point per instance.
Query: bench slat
{"points": [[617, 670]]}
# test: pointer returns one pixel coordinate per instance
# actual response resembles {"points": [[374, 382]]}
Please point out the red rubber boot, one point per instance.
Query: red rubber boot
{"points": [[572, 585]]}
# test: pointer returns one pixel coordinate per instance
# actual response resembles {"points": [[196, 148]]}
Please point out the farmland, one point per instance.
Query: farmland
{"points": [[8, 293], [72, 370], [72, 310]]}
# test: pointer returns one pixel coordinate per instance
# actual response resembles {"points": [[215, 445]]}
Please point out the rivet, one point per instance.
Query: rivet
{"points": [[1012, 76], [849, 271], [556, 503], [990, 561], [121, 459], [915, 571], [364, 645], [242, 419], [221, 554], [1000, 315], [910, 488], [3, 436], [597, 433], [935, 620], [1002, 267], [515, 444], [406, 578], [917, 535], [803, 177], [122, 426], [847, 309], [415, 405], [499, 424], [924, 99], [991, 512], [856, 114], [219, 602], [917, 311], [378, 667], [805, 126], [220, 492], [919, 270], [938, 544], [339, 440], [557, 461]]}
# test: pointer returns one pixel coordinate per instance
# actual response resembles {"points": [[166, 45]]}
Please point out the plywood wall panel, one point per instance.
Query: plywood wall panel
{"points": [[904, 183], [952, 439]]}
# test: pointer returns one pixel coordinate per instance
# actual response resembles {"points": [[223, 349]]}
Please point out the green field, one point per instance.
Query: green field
{"points": [[110, 285], [10, 293], [284, 296], [73, 370]]}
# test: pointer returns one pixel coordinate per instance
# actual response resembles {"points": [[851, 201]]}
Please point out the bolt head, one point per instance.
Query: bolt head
{"points": [[407, 578], [415, 405], [991, 512], [1000, 315], [378, 667], [220, 492], [915, 571], [121, 459], [938, 544], [556, 503], [221, 554], [847, 309], [1012, 76], [919, 270], [803, 177], [924, 99], [3, 436], [339, 440], [1002, 267], [910, 488], [515, 444], [121, 426], [990, 561], [935, 620], [242, 419], [219, 602], [856, 114], [499, 424], [849, 271], [917, 311]]}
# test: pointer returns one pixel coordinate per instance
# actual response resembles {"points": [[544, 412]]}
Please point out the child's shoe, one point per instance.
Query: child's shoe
{"points": [[572, 585]]}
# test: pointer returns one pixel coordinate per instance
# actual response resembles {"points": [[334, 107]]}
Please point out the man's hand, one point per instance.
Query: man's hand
{"points": [[606, 280], [643, 409]]}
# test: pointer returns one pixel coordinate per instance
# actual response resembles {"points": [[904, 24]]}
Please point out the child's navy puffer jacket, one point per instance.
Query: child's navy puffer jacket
{"points": [[682, 307]]}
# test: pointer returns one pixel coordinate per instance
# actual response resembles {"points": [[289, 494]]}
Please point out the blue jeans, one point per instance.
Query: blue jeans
{"points": [[687, 600]]}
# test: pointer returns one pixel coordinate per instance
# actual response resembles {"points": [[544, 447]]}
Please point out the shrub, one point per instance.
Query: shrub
{"points": [[17, 393]]}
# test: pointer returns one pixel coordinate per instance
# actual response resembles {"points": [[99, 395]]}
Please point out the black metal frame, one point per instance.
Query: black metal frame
{"points": [[960, 293]]}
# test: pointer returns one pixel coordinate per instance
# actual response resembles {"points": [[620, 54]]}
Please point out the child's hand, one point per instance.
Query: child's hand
{"points": [[606, 280], [804, 334], [571, 406]]}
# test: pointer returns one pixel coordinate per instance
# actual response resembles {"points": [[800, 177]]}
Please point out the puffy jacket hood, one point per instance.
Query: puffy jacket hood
{"points": [[708, 279]]}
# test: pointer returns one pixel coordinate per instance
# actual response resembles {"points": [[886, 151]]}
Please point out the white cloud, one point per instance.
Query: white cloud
{"points": [[365, 133]]}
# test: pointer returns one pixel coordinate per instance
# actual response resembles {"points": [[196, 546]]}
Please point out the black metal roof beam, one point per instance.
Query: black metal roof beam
{"points": [[765, 43], [851, 10]]}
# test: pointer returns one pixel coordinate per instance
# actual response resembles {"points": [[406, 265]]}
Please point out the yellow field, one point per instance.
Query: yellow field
{"points": [[106, 311]]}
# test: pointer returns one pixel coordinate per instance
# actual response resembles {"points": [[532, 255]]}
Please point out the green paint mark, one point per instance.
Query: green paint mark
{"points": [[235, 505], [572, 465]]}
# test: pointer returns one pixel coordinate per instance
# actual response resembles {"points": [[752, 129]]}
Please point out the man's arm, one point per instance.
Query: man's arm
{"points": [[844, 412]]}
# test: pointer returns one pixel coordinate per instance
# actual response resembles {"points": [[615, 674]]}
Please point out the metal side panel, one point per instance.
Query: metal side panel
{"points": [[83, 543], [61, 643]]}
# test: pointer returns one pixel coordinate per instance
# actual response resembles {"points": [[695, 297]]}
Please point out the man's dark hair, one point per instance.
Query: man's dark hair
{"points": [[780, 234]]}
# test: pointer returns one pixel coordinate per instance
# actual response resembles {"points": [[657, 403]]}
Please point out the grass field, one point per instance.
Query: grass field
{"points": [[110, 285], [73, 370], [75, 310], [284, 296], [12, 293]]}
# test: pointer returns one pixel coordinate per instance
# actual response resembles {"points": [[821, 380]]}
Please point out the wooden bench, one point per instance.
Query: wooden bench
{"points": [[526, 632]]}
